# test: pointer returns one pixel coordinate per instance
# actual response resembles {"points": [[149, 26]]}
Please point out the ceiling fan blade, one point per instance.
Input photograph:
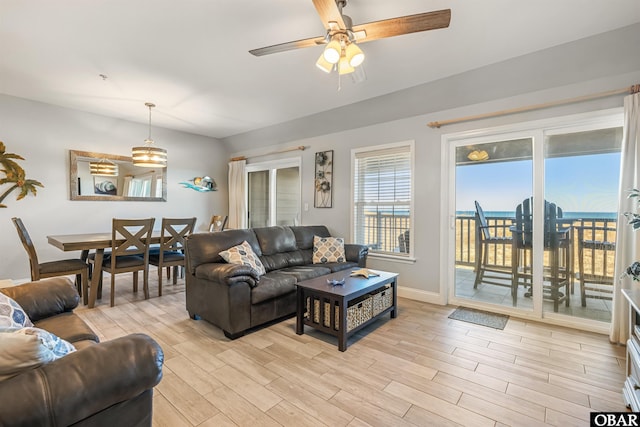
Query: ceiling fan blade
{"points": [[283, 47], [329, 12], [404, 25]]}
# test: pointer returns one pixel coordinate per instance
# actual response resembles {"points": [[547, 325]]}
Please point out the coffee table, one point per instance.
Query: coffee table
{"points": [[317, 300]]}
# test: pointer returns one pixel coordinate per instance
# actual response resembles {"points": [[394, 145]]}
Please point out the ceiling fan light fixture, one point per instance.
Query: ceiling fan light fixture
{"points": [[149, 156], [354, 54], [344, 67], [324, 65], [478, 156], [332, 52]]}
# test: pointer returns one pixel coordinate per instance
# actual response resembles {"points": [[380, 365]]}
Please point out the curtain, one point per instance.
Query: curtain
{"points": [[627, 241], [237, 199]]}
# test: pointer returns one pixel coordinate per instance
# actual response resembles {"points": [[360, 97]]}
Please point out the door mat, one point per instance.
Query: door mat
{"points": [[479, 317]]}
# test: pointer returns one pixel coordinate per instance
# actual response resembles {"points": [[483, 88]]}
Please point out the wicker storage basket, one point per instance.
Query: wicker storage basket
{"points": [[358, 312], [382, 299]]}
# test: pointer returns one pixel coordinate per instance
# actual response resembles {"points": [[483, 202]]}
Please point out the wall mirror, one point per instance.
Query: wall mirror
{"points": [[130, 183]]}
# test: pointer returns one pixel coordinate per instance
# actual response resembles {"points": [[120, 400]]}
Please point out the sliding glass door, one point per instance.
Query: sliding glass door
{"points": [[581, 175], [491, 179], [273, 193], [533, 218]]}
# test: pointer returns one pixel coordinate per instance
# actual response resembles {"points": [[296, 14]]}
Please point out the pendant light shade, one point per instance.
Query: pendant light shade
{"points": [[344, 67], [324, 65], [149, 155], [354, 55], [103, 168], [332, 52]]}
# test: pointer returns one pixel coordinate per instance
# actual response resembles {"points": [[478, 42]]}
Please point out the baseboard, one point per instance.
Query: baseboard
{"points": [[422, 296]]}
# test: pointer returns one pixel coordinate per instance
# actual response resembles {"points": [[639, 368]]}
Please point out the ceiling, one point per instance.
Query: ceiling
{"points": [[190, 57]]}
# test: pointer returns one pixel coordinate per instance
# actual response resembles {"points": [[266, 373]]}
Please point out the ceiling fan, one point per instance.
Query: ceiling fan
{"points": [[341, 52]]}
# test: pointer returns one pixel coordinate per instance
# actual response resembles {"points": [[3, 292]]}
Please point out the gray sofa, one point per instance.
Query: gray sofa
{"points": [[109, 383], [233, 297]]}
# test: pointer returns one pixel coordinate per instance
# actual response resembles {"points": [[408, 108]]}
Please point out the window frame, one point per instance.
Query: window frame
{"points": [[395, 256]]}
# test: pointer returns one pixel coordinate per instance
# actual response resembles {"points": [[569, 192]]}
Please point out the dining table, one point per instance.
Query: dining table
{"points": [[86, 242]]}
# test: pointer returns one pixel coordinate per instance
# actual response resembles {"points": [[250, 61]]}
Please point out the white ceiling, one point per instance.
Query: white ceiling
{"points": [[190, 57]]}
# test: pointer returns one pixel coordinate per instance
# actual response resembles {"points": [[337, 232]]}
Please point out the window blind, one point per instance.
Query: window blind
{"points": [[382, 199]]}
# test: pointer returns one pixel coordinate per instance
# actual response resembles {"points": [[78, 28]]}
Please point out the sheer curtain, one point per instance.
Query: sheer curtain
{"points": [[627, 241], [237, 199]]}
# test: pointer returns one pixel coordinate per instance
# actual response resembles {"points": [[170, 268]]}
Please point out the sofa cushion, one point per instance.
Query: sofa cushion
{"points": [[26, 348], [282, 260], [305, 272], [45, 297], [273, 285], [305, 233], [68, 326], [328, 249], [275, 240], [11, 314], [203, 248], [243, 255], [339, 266]]}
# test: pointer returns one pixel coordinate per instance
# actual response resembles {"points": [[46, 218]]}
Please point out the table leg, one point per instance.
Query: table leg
{"points": [[394, 311], [300, 312], [95, 278], [342, 326]]}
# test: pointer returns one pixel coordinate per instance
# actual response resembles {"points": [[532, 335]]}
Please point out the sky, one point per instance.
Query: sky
{"points": [[587, 183]]}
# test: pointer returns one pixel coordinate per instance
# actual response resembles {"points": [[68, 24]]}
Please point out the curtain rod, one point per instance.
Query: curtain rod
{"points": [[633, 89], [285, 150]]}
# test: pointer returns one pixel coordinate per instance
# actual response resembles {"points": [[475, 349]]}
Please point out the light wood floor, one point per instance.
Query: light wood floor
{"points": [[418, 369]]}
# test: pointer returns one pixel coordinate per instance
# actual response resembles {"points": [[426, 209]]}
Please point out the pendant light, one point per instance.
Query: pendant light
{"points": [[149, 155], [103, 168]]}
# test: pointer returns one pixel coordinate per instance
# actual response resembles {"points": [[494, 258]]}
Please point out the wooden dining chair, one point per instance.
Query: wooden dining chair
{"points": [[491, 240], [170, 253], [218, 222], [596, 251], [556, 242], [62, 267], [129, 252]]}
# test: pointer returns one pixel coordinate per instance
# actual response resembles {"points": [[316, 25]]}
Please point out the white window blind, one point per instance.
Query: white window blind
{"points": [[382, 199]]}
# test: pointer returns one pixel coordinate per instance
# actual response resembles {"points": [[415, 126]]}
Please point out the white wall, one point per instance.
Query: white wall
{"points": [[43, 134]]}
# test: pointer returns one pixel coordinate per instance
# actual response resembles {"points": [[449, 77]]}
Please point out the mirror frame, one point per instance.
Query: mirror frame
{"points": [[75, 155]]}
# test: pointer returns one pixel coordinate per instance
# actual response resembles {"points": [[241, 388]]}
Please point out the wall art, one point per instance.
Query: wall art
{"points": [[105, 186], [15, 176], [324, 180]]}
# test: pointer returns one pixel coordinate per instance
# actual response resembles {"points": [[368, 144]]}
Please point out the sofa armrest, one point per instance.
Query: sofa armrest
{"points": [[45, 298], [356, 253], [83, 383], [228, 274]]}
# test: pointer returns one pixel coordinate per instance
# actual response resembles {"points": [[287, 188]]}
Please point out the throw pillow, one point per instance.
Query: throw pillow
{"points": [[27, 348], [328, 249], [11, 314], [243, 254]]}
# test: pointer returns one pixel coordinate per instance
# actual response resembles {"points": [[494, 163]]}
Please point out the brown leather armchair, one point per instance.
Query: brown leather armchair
{"points": [[109, 383]]}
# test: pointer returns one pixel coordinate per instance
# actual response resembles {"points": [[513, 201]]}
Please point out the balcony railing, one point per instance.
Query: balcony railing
{"points": [[598, 229], [387, 232], [390, 233]]}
